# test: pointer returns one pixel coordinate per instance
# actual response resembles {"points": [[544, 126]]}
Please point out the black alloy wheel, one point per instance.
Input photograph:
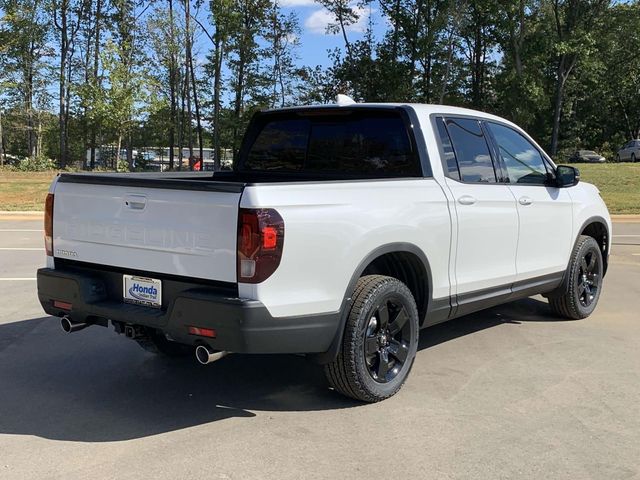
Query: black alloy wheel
{"points": [[387, 340], [578, 296], [379, 343], [589, 278]]}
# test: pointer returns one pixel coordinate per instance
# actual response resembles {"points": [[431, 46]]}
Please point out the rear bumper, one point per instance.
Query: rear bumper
{"points": [[241, 325]]}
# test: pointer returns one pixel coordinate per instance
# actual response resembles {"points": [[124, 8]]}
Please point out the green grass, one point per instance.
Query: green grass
{"points": [[24, 191], [619, 184]]}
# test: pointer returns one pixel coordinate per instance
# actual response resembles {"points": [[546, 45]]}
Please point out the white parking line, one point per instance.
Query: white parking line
{"points": [[20, 230], [29, 249], [17, 279]]}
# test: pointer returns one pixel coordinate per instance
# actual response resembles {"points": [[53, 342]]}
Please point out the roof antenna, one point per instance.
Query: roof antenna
{"points": [[343, 100]]}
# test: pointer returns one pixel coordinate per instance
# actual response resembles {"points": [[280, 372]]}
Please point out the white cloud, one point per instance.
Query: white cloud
{"points": [[296, 3], [317, 22]]}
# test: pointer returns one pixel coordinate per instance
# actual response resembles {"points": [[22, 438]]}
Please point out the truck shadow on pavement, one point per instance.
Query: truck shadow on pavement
{"points": [[94, 386]]}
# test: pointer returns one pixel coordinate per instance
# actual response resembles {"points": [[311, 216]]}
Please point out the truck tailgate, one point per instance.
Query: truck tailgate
{"points": [[189, 232]]}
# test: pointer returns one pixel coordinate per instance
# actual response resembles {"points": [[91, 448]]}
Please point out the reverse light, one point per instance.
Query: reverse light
{"points": [[260, 242], [48, 224]]}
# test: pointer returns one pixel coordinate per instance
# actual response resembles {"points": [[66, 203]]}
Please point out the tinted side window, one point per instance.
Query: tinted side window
{"points": [[447, 148], [365, 145], [472, 151], [523, 161]]}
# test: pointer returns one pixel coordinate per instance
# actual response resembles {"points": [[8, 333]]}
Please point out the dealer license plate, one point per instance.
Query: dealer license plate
{"points": [[142, 290]]}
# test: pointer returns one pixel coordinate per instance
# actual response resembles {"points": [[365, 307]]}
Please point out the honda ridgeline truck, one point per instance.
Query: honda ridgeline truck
{"points": [[341, 232]]}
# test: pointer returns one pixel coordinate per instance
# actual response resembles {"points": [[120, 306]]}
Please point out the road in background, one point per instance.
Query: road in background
{"points": [[508, 392]]}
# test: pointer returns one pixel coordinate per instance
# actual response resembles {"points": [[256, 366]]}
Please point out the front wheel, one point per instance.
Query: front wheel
{"points": [[584, 281], [379, 343]]}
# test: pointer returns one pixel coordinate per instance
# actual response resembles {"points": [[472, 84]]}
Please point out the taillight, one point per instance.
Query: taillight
{"points": [[260, 241], [48, 224]]}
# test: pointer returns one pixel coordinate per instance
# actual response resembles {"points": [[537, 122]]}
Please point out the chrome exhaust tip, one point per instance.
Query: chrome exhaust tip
{"points": [[69, 326], [205, 355]]}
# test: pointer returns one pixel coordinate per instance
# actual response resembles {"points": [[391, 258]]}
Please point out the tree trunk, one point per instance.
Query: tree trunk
{"points": [[1, 142], [96, 63], [447, 71], [343, 29], [217, 163], [129, 152], [62, 77], [196, 104], [181, 123], [31, 139], [118, 151], [557, 110], [172, 91], [565, 66], [627, 120], [187, 62], [239, 94]]}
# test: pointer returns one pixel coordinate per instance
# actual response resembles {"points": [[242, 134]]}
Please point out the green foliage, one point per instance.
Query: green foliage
{"points": [[35, 164], [123, 166], [522, 59]]}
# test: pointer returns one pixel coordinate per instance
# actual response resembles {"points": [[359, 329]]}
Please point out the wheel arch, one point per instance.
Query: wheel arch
{"points": [[597, 228], [405, 261]]}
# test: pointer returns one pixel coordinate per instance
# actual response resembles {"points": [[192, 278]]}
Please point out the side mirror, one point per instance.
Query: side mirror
{"points": [[567, 176]]}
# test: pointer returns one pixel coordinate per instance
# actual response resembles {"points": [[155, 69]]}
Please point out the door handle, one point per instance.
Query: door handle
{"points": [[525, 201], [135, 202], [466, 200]]}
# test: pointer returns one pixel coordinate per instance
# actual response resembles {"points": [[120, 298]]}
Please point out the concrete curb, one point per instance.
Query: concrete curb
{"points": [[19, 213], [625, 218]]}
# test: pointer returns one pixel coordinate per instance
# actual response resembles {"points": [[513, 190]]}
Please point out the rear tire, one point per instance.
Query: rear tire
{"points": [[583, 283], [379, 343], [157, 343]]}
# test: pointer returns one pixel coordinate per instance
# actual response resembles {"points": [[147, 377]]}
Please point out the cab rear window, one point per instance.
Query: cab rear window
{"points": [[369, 143]]}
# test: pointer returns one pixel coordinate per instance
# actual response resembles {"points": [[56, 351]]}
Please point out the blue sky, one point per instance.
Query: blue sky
{"points": [[314, 41]]}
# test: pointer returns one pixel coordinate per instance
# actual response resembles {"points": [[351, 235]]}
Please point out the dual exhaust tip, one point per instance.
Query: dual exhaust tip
{"points": [[204, 354]]}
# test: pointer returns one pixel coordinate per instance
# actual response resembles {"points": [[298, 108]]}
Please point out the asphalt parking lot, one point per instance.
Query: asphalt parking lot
{"points": [[511, 392]]}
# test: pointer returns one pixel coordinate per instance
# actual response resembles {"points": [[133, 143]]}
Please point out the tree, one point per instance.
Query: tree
{"points": [[478, 37], [25, 35], [67, 16], [282, 35], [573, 21], [125, 75], [166, 42], [344, 16], [248, 19]]}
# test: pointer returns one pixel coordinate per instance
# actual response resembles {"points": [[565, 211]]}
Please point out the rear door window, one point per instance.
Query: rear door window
{"points": [[370, 143], [471, 150]]}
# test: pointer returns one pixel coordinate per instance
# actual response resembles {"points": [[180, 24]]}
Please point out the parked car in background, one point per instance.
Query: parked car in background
{"points": [[630, 151], [586, 156]]}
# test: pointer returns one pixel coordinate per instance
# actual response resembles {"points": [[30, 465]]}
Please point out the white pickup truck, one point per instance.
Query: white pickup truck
{"points": [[342, 231]]}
